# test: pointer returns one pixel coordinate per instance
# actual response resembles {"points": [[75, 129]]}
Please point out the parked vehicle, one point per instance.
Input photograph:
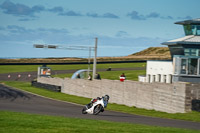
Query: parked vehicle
{"points": [[96, 105]]}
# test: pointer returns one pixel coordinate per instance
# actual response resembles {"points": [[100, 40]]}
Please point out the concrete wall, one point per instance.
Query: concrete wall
{"points": [[171, 98], [192, 93]]}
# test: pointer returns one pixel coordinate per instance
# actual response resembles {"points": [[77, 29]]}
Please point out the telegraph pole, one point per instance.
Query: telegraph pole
{"points": [[95, 59]]}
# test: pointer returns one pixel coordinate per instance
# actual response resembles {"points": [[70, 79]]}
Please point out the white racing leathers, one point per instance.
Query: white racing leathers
{"points": [[95, 106]]}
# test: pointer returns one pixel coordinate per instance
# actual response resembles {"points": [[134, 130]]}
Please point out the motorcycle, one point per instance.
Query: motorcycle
{"points": [[96, 105]]}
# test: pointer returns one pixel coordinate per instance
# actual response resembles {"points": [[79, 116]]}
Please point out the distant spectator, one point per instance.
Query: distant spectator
{"points": [[122, 77], [89, 77], [78, 76], [97, 76]]}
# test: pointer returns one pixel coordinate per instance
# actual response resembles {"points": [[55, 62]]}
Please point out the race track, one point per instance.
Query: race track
{"points": [[20, 101]]}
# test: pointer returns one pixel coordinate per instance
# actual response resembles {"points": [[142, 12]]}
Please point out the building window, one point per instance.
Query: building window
{"points": [[187, 66], [192, 30], [187, 29], [183, 66], [187, 51], [198, 30], [199, 66], [191, 52], [192, 65]]}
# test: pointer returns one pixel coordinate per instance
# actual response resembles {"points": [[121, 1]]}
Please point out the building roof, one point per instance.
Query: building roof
{"points": [[193, 21], [191, 39]]}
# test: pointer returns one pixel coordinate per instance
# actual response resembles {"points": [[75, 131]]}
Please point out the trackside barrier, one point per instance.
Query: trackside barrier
{"points": [[46, 86], [171, 98]]}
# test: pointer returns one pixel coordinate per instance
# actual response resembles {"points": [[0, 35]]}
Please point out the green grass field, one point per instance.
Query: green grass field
{"points": [[112, 75], [191, 116], [13, 122], [29, 68], [20, 122]]}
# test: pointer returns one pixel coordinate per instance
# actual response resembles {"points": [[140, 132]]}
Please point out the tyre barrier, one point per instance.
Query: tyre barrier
{"points": [[46, 86], [196, 105]]}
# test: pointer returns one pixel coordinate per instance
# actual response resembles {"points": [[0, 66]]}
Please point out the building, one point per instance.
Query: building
{"points": [[185, 53]]}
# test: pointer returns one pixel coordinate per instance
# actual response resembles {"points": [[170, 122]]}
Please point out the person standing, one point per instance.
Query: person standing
{"points": [[122, 77], [89, 77], [97, 76]]}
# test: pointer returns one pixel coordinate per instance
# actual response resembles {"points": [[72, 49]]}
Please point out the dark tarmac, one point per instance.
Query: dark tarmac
{"points": [[16, 100]]}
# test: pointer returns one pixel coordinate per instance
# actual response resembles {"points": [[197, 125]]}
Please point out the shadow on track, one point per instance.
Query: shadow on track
{"points": [[7, 93]]}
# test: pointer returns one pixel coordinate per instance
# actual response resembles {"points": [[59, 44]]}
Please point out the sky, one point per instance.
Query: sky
{"points": [[122, 27]]}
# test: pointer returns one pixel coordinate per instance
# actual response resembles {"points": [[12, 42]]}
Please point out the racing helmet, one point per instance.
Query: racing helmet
{"points": [[106, 98]]}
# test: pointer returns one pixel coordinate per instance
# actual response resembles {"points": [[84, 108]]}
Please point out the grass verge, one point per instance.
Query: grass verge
{"points": [[191, 116], [112, 75], [13, 122], [29, 68]]}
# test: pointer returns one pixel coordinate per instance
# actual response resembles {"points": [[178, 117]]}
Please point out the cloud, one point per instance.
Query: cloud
{"points": [[20, 9], [186, 17], [15, 29], [20, 38], [52, 30], [57, 9], [26, 19], [94, 15], [2, 28], [106, 15], [135, 15], [110, 15], [153, 15], [168, 17], [70, 13], [37, 8], [122, 34], [15, 33], [18, 29]]}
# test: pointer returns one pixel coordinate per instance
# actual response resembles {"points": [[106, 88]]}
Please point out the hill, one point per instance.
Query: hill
{"points": [[152, 53]]}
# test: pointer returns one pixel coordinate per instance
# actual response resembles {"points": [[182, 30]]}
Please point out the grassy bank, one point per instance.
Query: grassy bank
{"points": [[29, 68], [112, 75], [191, 116], [12, 122]]}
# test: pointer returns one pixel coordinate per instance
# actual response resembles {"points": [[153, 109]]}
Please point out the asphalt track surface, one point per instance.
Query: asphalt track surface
{"points": [[16, 100]]}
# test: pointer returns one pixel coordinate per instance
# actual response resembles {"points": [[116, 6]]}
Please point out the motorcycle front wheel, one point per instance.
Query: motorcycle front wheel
{"points": [[97, 109]]}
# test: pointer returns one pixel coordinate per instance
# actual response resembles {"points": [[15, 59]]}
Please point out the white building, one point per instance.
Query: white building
{"points": [[185, 63], [159, 71]]}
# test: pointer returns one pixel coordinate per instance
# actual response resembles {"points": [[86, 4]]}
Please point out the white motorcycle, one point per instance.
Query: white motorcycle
{"points": [[96, 105]]}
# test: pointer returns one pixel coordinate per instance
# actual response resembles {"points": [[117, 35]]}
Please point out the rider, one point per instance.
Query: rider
{"points": [[105, 101]]}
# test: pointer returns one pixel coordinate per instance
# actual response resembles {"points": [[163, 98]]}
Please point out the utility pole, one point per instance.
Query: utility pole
{"points": [[89, 60], [95, 59]]}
